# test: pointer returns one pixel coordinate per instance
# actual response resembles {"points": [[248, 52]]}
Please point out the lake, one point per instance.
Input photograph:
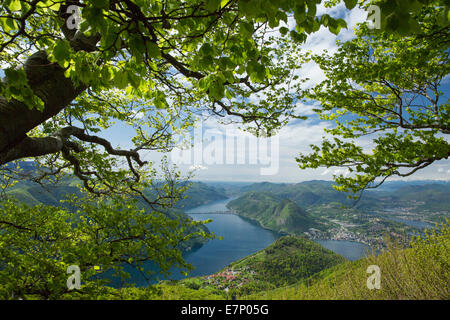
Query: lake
{"points": [[241, 237], [413, 223], [350, 249]]}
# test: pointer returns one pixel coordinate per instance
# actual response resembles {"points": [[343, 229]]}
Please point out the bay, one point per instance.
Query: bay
{"points": [[241, 237], [349, 249], [413, 223]]}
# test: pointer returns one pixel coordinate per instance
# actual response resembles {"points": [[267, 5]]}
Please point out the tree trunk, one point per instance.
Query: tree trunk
{"points": [[48, 82]]}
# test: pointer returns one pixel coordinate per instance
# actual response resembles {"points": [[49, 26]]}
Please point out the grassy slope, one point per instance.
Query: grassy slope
{"points": [[421, 271]]}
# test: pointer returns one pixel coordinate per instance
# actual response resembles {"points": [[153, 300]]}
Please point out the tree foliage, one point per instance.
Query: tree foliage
{"points": [[151, 65], [386, 90], [39, 243]]}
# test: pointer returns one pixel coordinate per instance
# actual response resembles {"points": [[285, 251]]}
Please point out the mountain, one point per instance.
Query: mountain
{"points": [[304, 193], [25, 166], [200, 193], [51, 194], [289, 260], [426, 195], [434, 196], [395, 185], [273, 212], [48, 194]]}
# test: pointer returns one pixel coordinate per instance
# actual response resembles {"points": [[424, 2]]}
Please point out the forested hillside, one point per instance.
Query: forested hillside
{"points": [[435, 196], [272, 212], [200, 193], [55, 195]]}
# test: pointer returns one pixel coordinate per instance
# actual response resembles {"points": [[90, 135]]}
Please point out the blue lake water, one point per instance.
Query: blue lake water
{"points": [[241, 238], [413, 223], [216, 206], [349, 249]]}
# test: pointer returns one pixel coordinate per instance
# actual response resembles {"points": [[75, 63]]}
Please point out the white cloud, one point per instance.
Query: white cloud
{"points": [[297, 137]]}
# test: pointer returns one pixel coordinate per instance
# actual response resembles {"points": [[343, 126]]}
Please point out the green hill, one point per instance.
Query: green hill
{"points": [[272, 212], [289, 260], [51, 194]]}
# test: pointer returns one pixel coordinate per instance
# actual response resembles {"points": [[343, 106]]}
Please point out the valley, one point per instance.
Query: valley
{"points": [[277, 235]]}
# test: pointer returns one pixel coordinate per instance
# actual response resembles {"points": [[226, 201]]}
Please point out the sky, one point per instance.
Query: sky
{"points": [[252, 160]]}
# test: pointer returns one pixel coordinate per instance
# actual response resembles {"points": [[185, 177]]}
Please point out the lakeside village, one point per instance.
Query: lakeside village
{"points": [[229, 278], [371, 233], [338, 233], [371, 228], [342, 233]]}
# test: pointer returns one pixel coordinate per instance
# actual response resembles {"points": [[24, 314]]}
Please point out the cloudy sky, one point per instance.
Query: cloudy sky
{"points": [[243, 158]]}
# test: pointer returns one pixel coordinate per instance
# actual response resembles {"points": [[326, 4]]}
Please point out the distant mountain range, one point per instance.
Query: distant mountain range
{"points": [[434, 195], [24, 165], [51, 194]]}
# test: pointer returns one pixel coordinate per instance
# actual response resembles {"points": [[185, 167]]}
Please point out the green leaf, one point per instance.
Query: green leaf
{"points": [[212, 5], [15, 5], [8, 24], [102, 4], [14, 75], [350, 4], [153, 50], [61, 51], [121, 79], [284, 30]]}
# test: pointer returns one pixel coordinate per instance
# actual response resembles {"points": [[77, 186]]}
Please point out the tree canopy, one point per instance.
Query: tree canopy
{"points": [[388, 90], [73, 68]]}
